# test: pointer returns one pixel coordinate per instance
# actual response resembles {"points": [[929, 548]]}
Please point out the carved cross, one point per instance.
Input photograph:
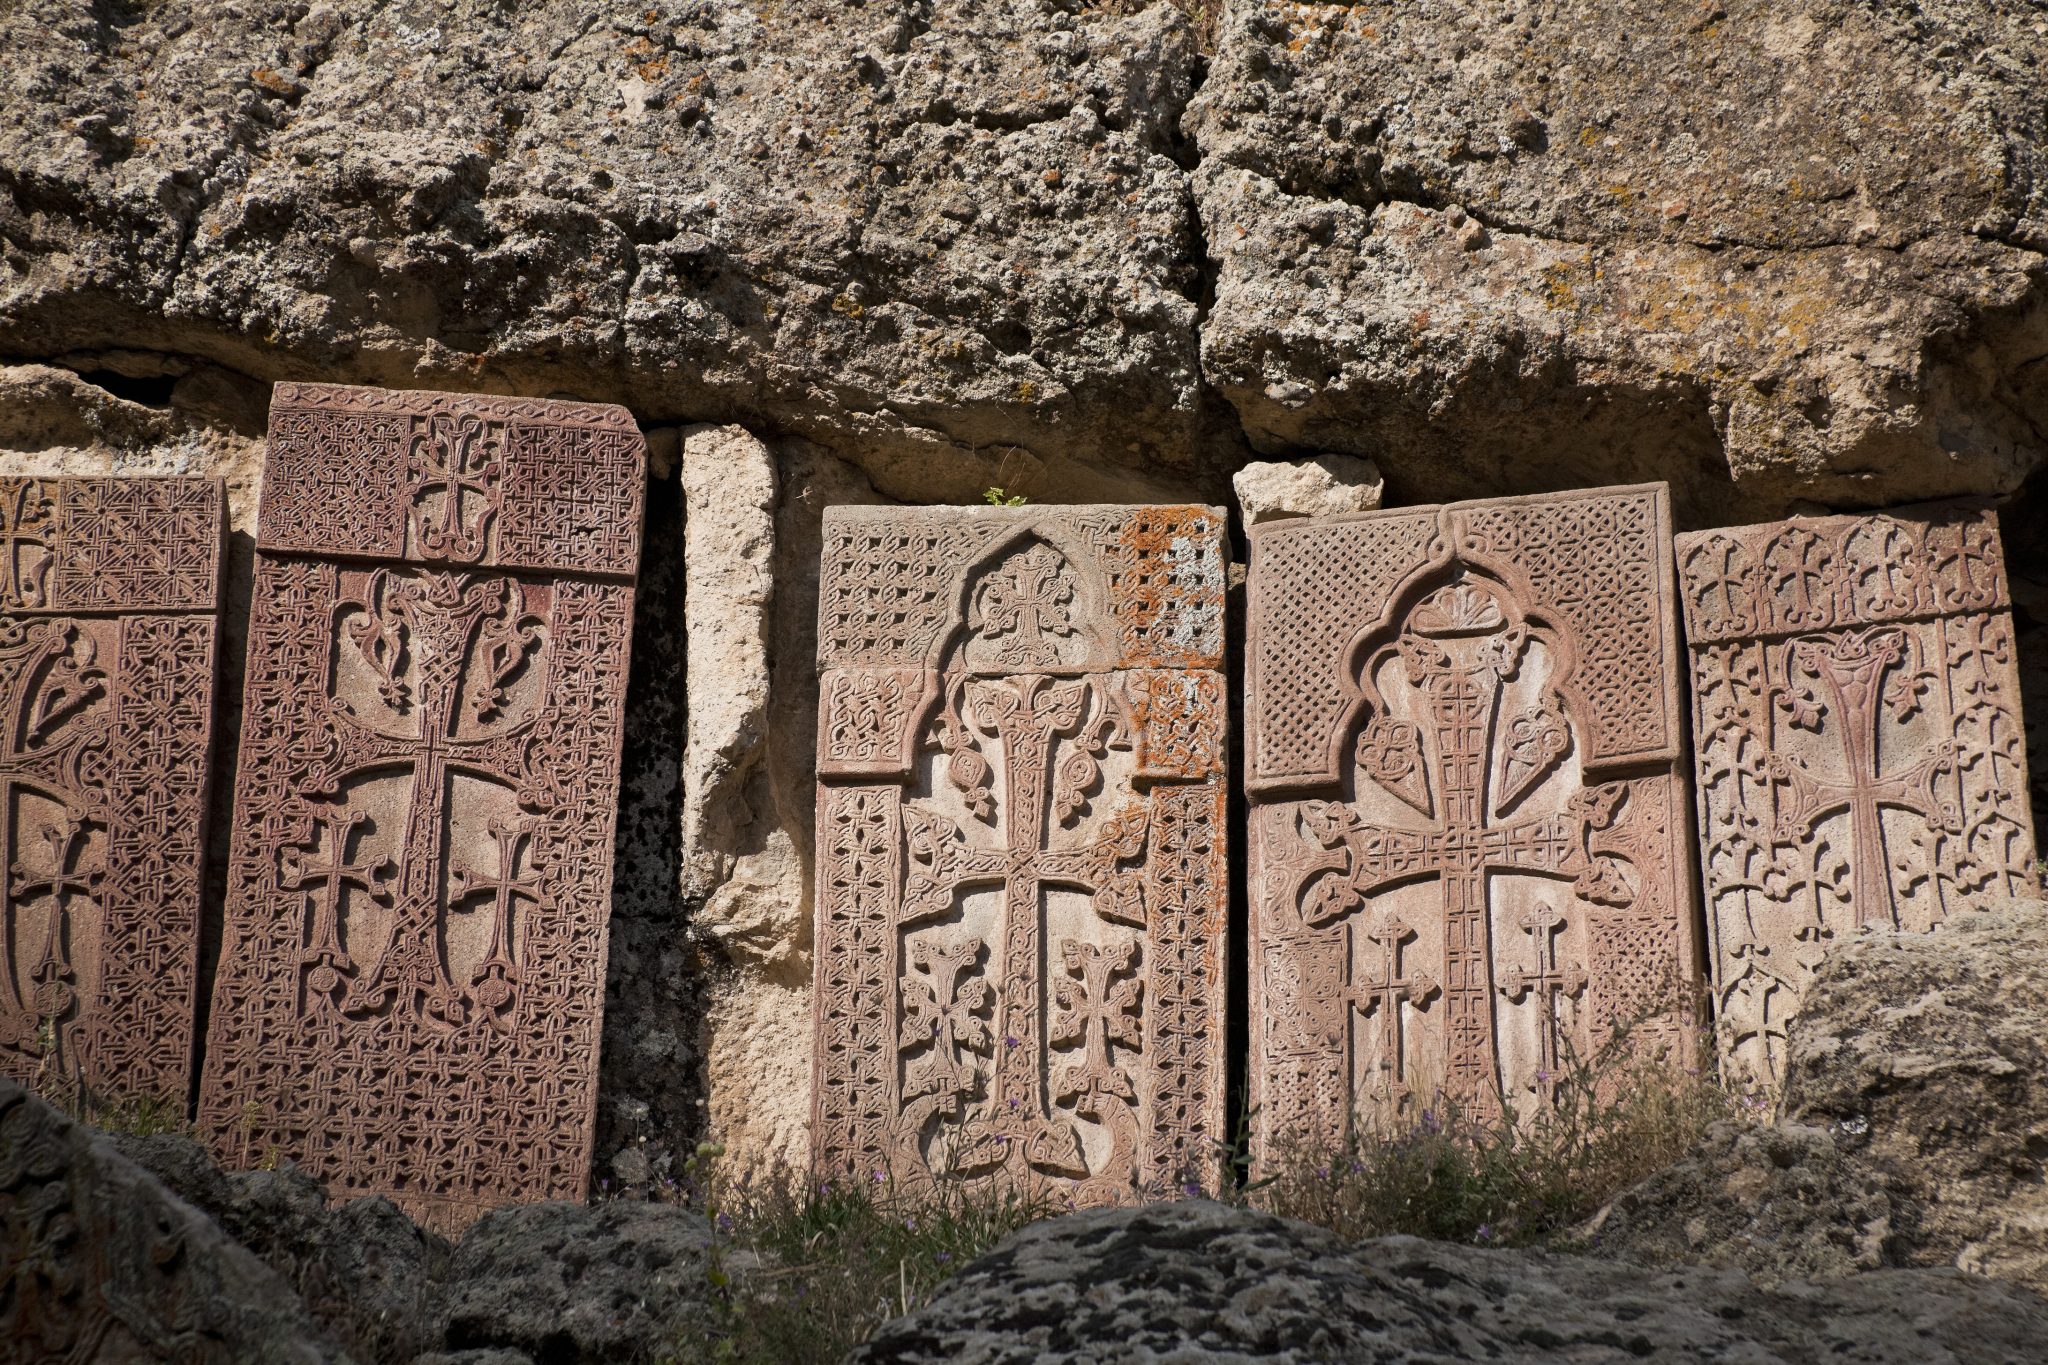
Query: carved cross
{"points": [[64, 882], [1025, 604], [493, 980], [453, 460], [459, 639], [1550, 982], [46, 730], [1853, 668], [324, 959], [1383, 993], [1797, 566], [1026, 713], [1098, 1006], [24, 545]]}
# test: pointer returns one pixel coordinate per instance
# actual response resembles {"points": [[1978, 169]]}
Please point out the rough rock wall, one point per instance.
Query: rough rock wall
{"points": [[1777, 253]]}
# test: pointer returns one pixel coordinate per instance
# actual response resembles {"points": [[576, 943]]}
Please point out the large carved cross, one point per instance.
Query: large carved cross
{"points": [[1853, 669], [445, 645], [1027, 713], [1462, 692]]}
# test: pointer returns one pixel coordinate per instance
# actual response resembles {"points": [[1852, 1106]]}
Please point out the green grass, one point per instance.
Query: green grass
{"points": [[805, 1272]]}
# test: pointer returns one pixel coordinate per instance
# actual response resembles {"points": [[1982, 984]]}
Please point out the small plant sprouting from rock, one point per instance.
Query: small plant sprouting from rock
{"points": [[996, 496]]}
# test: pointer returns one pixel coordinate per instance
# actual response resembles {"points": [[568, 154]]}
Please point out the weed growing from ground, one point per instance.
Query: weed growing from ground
{"points": [[805, 1271], [1453, 1175]]}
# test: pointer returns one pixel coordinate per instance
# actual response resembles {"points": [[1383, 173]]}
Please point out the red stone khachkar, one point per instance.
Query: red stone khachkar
{"points": [[1469, 857], [1860, 759], [1021, 884], [109, 606], [412, 980]]}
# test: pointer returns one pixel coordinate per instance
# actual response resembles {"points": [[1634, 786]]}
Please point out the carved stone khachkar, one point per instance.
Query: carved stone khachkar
{"points": [[1021, 882], [1859, 754], [109, 603], [412, 980], [1469, 856]]}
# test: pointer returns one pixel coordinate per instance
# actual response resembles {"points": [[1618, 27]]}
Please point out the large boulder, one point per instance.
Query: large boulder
{"points": [[98, 1262], [1914, 1126], [1202, 1282], [1768, 249], [953, 238], [362, 1268]]}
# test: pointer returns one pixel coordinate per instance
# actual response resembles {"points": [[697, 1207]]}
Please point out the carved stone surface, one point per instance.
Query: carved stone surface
{"points": [[1859, 751], [109, 599], [1469, 856], [412, 980], [99, 1263], [1021, 878]]}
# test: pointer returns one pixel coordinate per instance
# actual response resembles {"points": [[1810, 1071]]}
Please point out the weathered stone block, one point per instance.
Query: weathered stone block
{"points": [[1021, 876], [412, 980], [1469, 856], [109, 599], [1859, 752]]}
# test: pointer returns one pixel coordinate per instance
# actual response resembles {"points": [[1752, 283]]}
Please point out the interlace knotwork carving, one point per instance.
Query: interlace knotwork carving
{"points": [[1468, 905], [1019, 973], [410, 988], [1859, 751], [108, 595]]}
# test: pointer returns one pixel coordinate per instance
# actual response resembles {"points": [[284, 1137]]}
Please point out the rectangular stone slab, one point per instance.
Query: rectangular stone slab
{"points": [[109, 615], [1859, 752], [1022, 890], [412, 982], [1469, 854]]}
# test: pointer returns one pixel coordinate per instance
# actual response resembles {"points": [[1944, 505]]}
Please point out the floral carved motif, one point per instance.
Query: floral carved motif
{"points": [[1021, 854], [109, 594], [410, 990], [1490, 876], [1859, 753]]}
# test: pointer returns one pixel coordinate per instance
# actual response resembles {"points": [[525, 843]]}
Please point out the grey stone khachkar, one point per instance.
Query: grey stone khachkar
{"points": [[1469, 858], [1860, 755], [109, 604], [1021, 847], [412, 978]]}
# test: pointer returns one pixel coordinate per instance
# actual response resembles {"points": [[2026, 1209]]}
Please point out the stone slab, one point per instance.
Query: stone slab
{"points": [[1859, 752], [1469, 855], [412, 980], [109, 615], [1022, 890]]}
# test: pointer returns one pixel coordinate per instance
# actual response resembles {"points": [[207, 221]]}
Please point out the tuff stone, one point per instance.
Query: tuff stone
{"points": [[1021, 846], [100, 1262], [1467, 828], [421, 874], [1326, 485], [1858, 745], [1912, 1113], [109, 603], [1200, 1281]]}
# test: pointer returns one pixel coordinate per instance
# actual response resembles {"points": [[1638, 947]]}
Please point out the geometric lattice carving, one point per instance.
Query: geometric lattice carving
{"points": [[412, 981], [1859, 752], [1021, 859], [109, 595], [1469, 860]]}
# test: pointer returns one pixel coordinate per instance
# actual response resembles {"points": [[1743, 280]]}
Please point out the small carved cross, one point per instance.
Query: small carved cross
{"points": [[326, 883], [446, 460], [1383, 993], [1098, 1005], [63, 883], [1549, 982], [496, 977]]}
